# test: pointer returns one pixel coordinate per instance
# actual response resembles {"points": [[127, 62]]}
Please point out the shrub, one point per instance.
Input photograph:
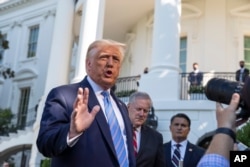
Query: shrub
{"points": [[46, 162], [243, 134], [5, 122], [125, 93], [196, 89]]}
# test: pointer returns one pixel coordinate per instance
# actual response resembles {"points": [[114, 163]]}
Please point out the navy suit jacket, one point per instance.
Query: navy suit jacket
{"points": [[193, 155], [94, 147], [151, 152], [195, 79], [245, 75]]}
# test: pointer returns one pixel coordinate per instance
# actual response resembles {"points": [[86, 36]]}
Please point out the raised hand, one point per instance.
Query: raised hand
{"points": [[81, 118], [226, 117]]}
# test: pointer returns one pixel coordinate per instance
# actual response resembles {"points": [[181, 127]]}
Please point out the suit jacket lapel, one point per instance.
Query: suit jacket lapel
{"points": [[188, 154], [169, 155], [100, 117], [143, 141]]}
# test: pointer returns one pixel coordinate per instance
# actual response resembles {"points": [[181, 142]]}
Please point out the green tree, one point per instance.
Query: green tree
{"points": [[243, 134], [5, 122], [6, 72], [46, 162]]}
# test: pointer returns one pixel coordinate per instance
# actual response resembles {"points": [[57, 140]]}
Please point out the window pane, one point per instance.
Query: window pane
{"points": [[247, 42], [247, 55], [183, 43], [33, 38], [183, 54], [23, 107], [247, 51]]}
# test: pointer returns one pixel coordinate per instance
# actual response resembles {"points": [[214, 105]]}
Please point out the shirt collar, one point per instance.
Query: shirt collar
{"points": [[138, 129], [196, 71], [183, 143], [97, 89]]}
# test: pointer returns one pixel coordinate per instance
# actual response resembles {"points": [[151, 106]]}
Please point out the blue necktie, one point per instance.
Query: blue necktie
{"points": [[115, 131], [176, 156]]}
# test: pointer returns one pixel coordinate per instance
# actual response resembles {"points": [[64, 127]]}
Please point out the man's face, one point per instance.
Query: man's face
{"points": [[195, 66], [138, 111], [104, 66], [241, 64], [179, 129]]}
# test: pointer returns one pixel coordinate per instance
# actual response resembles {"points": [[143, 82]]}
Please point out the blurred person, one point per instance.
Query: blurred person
{"points": [[148, 142], [242, 73], [145, 71], [196, 76]]}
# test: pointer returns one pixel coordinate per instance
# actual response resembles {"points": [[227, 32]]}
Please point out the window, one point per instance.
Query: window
{"points": [[4, 38], [33, 38], [183, 54], [23, 107], [247, 51]]}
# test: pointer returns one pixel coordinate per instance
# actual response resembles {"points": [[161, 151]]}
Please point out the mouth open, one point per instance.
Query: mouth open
{"points": [[108, 73]]}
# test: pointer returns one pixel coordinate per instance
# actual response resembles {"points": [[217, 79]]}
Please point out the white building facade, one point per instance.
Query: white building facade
{"points": [[48, 40]]}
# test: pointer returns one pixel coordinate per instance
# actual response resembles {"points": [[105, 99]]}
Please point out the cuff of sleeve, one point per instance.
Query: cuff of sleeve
{"points": [[72, 142], [228, 132]]}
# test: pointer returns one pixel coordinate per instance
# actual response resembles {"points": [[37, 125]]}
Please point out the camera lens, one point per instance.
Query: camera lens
{"points": [[221, 90]]}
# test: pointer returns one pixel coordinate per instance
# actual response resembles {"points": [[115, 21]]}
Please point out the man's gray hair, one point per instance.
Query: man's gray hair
{"points": [[139, 95]]}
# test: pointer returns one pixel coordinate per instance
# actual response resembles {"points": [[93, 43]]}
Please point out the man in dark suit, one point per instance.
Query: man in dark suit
{"points": [[148, 143], [190, 154], [196, 76], [242, 73], [74, 129]]}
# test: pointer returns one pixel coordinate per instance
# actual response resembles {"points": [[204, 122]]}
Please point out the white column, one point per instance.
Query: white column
{"points": [[91, 29], [162, 81], [216, 35], [58, 67]]}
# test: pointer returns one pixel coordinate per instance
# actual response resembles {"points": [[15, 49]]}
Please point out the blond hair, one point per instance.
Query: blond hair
{"points": [[97, 45]]}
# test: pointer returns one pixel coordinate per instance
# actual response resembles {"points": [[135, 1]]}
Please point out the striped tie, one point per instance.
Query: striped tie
{"points": [[115, 131], [135, 141], [176, 156]]}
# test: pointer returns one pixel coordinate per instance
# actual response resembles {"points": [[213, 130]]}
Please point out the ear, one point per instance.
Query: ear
{"points": [[128, 105], [88, 63]]}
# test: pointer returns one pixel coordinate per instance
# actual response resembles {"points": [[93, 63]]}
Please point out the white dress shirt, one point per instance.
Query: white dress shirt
{"points": [[182, 148], [98, 90]]}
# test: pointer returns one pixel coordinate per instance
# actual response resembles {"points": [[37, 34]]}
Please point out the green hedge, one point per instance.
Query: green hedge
{"points": [[125, 93], [45, 162], [5, 122], [196, 89], [243, 134]]}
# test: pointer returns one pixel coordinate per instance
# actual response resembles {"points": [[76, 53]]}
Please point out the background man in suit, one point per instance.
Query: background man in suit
{"points": [[196, 76], [75, 129], [190, 154], [149, 142], [242, 73]]}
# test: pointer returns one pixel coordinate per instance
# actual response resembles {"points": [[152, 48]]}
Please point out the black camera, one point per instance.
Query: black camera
{"points": [[221, 90]]}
